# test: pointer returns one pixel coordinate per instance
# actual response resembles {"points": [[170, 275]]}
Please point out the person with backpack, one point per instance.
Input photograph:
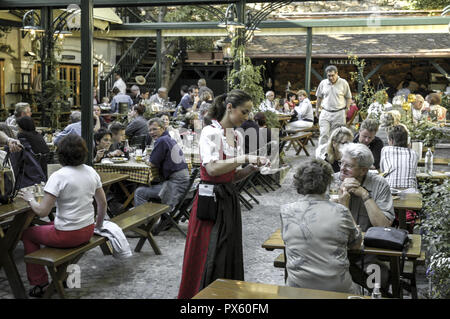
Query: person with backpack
{"points": [[28, 134]]}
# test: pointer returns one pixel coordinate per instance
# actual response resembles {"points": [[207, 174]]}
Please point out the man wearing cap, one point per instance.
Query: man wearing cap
{"points": [[334, 96]]}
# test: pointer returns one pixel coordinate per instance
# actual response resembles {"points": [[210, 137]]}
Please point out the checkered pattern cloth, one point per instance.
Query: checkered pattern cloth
{"points": [[138, 172]]}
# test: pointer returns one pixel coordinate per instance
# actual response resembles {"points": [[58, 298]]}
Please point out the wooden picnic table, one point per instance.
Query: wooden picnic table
{"points": [[403, 202], [235, 289], [275, 241], [22, 216], [436, 161], [137, 172], [435, 175]]}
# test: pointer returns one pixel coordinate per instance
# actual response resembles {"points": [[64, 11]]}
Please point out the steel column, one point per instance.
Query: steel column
{"points": [[87, 29], [308, 61], [158, 59]]}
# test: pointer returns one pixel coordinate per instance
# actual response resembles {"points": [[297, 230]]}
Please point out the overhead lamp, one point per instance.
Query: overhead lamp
{"points": [[231, 22]]}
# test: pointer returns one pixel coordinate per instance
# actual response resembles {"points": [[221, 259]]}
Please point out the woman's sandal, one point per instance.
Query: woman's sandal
{"points": [[38, 291]]}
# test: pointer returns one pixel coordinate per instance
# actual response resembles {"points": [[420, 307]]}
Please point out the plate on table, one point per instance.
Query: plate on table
{"points": [[119, 159], [395, 191]]}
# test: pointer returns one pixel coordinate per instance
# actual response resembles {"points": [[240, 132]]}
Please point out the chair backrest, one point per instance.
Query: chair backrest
{"points": [[194, 175], [138, 141], [123, 107], [350, 122]]}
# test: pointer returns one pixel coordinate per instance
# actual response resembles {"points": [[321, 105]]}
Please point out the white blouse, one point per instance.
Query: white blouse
{"points": [[213, 139]]}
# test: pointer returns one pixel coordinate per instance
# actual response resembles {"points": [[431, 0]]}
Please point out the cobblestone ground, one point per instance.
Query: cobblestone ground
{"points": [[146, 275]]}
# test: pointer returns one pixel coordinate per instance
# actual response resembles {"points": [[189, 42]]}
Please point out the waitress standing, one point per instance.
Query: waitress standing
{"points": [[214, 240]]}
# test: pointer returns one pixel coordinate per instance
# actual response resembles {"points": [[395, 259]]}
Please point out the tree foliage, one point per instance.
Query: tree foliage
{"points": [[430, 4], [436, 234]]}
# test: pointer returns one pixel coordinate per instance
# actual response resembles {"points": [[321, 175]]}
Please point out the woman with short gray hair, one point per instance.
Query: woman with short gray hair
{"points": [[317, 233]]}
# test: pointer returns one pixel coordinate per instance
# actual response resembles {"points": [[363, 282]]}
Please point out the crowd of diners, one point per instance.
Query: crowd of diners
{"points": [[317, 230]]}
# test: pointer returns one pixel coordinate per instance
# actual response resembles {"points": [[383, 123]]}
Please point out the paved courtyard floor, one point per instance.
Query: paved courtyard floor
{"points": [[146, 275]]}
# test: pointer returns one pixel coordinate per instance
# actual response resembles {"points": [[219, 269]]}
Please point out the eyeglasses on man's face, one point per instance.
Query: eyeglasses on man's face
{"points": [[346, 165]]}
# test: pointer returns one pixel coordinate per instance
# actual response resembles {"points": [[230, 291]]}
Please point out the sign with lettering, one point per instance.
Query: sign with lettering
{"points": [[341, 62]]}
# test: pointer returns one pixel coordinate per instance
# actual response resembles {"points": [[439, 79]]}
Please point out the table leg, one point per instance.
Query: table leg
{"points": [[130, 197], [401, 214], [7, 245], [395, 277]]}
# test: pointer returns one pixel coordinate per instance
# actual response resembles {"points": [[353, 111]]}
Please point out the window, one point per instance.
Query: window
{"points": [[72, 73]]}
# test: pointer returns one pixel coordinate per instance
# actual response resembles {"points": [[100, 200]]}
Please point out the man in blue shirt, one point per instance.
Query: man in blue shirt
{"points": [[190, 100], [120, 98], [74, 128], [169, 158]]}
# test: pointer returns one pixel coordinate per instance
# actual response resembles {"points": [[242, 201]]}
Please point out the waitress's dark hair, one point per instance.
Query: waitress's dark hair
{"points": [[219, 106]]}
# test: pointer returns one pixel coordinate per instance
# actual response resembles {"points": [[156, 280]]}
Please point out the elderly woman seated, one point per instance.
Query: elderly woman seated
{"points": [[330, 151], [399, 161], [318, 233]]}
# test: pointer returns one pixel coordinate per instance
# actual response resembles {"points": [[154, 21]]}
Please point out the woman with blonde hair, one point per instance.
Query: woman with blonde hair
{"points": [[436, 111], [330, 151]]}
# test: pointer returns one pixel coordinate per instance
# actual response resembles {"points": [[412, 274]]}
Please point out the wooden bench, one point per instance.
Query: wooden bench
{"points": [[298, 141], [139, 219]]}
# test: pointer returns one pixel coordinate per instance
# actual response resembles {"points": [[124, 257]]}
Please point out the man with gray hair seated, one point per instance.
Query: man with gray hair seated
{"points": [[135, 94], [160, 97], [368, 196], [73, 128], [269, 103], [22, 109]]}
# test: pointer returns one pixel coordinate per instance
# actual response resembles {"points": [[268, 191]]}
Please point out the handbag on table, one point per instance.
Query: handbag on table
{"points": [[386, 237]]}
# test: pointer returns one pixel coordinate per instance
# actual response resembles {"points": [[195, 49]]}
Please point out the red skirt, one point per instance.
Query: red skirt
{"points": [[195, 252]]}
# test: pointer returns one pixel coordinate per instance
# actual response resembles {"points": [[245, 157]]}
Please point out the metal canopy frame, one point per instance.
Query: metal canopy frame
{"points": [[87, 35]]}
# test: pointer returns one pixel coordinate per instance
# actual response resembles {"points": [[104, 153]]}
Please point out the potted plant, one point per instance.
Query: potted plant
{"points": [[200, 48]]}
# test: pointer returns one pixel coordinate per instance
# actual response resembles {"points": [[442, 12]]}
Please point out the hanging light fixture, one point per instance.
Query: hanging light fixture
{"points": [[227, 49], [31, 24], [231, 22]]}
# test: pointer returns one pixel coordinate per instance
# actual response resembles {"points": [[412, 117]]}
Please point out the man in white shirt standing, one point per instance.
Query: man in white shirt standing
{"points": [[120, 84], [334, 96]]}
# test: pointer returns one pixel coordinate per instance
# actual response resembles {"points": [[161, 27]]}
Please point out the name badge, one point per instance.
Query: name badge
{"points": [[206, 190]]}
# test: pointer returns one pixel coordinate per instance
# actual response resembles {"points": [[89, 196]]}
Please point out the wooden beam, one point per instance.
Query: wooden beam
{"points": [[375, 70], [316, 74], [440, 69]]}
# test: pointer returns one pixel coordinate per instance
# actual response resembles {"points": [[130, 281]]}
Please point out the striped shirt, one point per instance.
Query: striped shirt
{"points": [[402, 163]]}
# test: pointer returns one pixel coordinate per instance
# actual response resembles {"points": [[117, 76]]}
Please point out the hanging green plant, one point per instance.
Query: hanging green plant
{"points": [[366, 96]]}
